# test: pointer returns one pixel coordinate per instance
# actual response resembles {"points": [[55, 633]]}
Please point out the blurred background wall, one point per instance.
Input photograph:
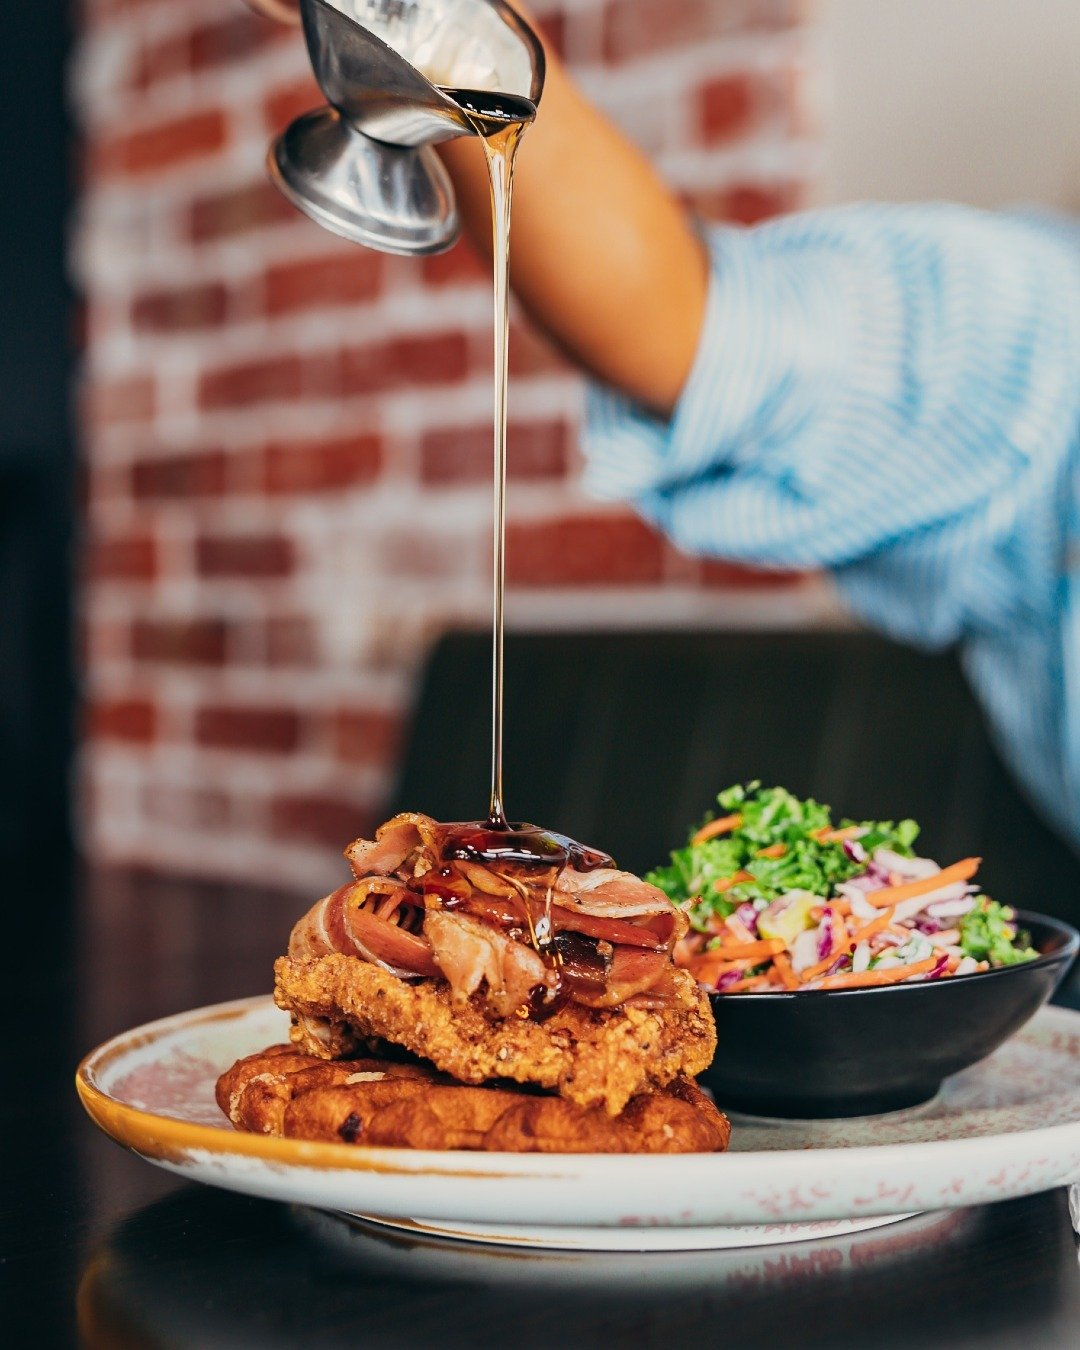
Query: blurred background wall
{"points": [[287, 438], [970, 100]]}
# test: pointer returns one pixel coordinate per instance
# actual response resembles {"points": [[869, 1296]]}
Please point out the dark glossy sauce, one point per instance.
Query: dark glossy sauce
{"points": [[530, 860], [489, 112], [520, 846], [579, 969], [527, 859]]}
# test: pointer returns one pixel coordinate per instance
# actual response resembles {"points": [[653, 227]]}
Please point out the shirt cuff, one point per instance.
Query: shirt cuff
{"points": [[770, 350]]}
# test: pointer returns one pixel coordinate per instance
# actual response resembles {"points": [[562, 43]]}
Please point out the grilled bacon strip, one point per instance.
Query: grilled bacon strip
{"points": [[345, 922], [416, 916]]}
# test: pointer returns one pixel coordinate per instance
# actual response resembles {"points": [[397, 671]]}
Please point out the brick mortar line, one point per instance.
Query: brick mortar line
{"points": [[170, 763], [237, 769], [327, 688], [388, 511], [398, 416], [175, 186], [466, 400], [157, 15], [416, 313], [302, 866], [108, 684], [400, 312]]}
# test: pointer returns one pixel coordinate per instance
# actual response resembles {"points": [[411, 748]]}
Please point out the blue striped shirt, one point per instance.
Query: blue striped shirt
{"points": [[893, 392]]}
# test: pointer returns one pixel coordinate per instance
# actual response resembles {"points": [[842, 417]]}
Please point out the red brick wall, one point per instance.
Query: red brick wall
{"points": [[287, 438]]}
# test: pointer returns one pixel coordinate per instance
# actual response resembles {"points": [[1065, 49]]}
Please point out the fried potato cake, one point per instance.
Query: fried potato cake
{"points": [[257, 1090], [652, 1123], [590, 1057], [379, 1103]]}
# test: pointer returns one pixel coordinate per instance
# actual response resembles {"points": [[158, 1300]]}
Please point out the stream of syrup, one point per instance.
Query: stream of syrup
{"points": [[528, 859], [500, 121]]}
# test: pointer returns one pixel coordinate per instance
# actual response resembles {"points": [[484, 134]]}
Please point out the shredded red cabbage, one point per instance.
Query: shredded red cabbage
{"points": [[866, 882], [937, 971], [748, 915], [825, 933]]}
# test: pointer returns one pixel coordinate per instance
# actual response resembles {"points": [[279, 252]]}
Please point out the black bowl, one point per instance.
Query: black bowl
{"points": [[856, 1052]]}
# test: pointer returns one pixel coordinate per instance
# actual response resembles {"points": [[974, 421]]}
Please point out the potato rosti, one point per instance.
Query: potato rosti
{"points": [[381, 1103]]}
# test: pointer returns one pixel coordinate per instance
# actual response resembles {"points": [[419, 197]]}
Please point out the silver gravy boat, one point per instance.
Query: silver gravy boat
{"points": [[363, 166]]}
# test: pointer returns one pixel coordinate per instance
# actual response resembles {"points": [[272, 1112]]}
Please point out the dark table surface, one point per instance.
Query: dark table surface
{"points": [[101, 1249]]}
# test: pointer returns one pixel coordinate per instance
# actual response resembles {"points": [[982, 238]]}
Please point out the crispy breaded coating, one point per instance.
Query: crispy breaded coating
{"points": [[590, 1057], [379, 1103]]}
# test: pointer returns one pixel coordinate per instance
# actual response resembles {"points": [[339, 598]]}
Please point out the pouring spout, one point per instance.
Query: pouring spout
{"points": [[385, 63], [399, 76]]}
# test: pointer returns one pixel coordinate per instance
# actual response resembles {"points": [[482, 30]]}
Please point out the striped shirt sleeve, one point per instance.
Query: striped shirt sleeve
{"points": [[890, 392]]}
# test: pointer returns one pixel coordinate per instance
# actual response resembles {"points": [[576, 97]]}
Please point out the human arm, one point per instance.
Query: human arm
{"points": [[602, 252]]}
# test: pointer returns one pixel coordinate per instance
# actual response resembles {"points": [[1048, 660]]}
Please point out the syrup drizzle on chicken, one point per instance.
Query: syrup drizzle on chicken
{"points": [[526, 919]]}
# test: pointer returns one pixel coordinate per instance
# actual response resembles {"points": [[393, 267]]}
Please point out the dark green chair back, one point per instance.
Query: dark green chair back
{"points": [[623, 739]]}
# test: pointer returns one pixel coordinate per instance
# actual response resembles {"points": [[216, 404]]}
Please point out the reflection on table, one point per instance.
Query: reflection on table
{"points": [[202, 1268]]}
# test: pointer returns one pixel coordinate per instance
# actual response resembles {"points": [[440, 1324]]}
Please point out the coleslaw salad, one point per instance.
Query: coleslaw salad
{"points": [[780, 897]]}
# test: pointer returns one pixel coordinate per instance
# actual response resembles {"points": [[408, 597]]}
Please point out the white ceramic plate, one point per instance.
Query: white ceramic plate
{"points": [[1007, 1127]]}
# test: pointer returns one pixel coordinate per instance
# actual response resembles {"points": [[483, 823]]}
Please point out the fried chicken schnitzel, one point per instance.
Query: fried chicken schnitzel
{"points": [[590, 1056]]}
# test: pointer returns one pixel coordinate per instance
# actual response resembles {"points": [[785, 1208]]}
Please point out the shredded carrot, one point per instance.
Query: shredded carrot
{"points": [[751, 951], [874, 926], [963, 870], [782, 966], [726, 883], [847, 946], [706, 971], [773, 851], [740, 986], [892, 975], [820, 967], [721, 825], [828, 836]]}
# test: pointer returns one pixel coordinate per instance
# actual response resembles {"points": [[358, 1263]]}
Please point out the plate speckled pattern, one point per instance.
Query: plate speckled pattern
{"points": [[1007, 1127]]}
